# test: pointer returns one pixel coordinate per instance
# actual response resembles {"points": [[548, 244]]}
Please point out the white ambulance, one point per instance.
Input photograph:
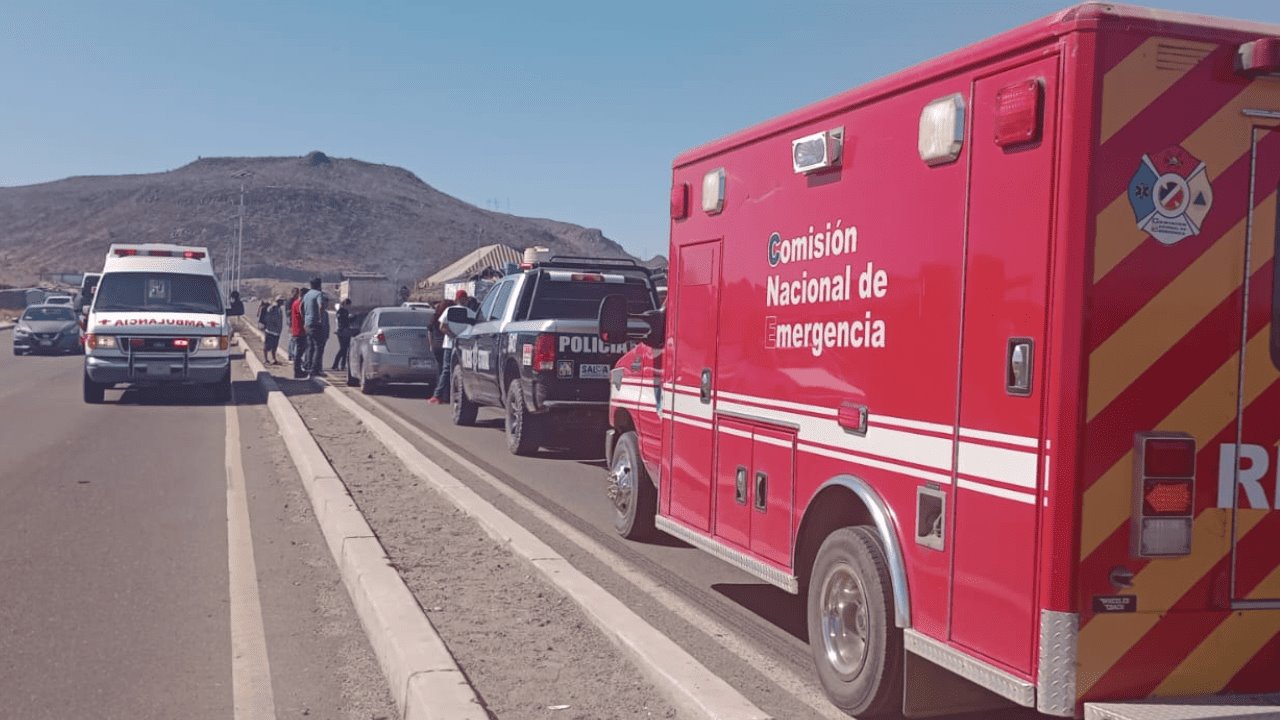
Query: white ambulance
{"points": [[157, 318]]}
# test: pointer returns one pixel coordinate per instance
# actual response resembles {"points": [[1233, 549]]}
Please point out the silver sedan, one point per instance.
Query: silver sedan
{"points": [[393, 346], [47, 329]]}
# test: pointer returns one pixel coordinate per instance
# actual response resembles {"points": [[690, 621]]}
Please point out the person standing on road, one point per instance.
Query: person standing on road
{"points": [[441, 395], [322, 338], [272, 317], [437, 336], [344, 335], [297, 333], [314, 322]]}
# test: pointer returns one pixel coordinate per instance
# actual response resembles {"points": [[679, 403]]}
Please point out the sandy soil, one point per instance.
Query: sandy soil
{"points": [[527, 649]]}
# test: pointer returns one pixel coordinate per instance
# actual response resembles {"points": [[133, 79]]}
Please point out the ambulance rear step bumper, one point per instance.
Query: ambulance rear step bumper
{"points": [[1218, 707]]}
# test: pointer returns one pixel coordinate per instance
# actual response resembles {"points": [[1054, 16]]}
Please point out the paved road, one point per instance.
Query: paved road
{"points": [[116, 599], [572, 486]]}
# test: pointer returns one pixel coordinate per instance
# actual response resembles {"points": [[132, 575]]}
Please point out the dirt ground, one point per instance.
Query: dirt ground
{"points": [[527, 649]]}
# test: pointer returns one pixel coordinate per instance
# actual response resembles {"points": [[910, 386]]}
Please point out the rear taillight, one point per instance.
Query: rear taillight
{"points": [[544, 353], [1164, 494], [379, 339]]}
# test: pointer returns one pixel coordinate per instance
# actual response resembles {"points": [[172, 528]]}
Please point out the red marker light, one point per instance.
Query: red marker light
{"points": [[1169, 458], [126, 253], [181, 343], [137, 342], [192, 255], [1018, 112]]}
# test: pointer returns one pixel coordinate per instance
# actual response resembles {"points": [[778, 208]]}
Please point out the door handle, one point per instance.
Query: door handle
{"points": [[1019, 363], [704, 387]]}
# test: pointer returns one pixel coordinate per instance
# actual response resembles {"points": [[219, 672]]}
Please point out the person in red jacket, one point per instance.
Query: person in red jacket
{"points": [[297, 332]]}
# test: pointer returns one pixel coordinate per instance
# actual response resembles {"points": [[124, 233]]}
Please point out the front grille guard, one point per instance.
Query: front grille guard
{"points": [[133, 356]]}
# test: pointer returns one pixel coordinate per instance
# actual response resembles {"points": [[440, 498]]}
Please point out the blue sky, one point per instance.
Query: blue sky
{"points": [[567, 110]]}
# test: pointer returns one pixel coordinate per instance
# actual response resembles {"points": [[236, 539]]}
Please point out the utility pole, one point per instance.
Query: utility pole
{"points": [[240, 238]]}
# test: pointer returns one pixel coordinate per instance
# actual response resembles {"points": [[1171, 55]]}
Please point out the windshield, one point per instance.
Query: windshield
{"points": [[579, 300], [44, 314], [405, 318], [157, 292]]}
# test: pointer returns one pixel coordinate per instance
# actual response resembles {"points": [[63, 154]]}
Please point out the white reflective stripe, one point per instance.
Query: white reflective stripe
{"points": [[1019, 440], [627, 393], [1014, 467], [691, 406], [872, 462], [875, 419], [1026, 498], [773, 441], [567, 276], [735, 432], [1046, 474], [691, 421], [770, 402], [889, 444]]}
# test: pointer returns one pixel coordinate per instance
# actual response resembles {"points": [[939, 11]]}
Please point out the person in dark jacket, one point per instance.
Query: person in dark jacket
{"points": [[272, 325], [237, 305], [344, 333]]}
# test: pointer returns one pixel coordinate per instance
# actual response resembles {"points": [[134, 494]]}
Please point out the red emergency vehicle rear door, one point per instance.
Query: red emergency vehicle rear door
{"points": [[695, 302], [1255, 576], [998, 494]]}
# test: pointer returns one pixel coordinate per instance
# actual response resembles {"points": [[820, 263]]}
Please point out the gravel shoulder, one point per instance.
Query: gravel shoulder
{"points": [[527, 649]]}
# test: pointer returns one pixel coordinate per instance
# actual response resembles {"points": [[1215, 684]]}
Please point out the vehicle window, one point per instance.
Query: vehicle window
{"points": [[580, 300], [487, 306], [39, 314], [403, 318], [158, 292], [503, 293], [367, 325]]}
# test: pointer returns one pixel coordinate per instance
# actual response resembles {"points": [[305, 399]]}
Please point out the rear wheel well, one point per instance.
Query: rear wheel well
{"points": [[509, 370], [833, 508]]}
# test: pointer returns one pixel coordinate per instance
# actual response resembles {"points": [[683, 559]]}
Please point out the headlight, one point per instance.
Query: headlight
{"points": [[19, 330], [213, 342], [95, 342]]}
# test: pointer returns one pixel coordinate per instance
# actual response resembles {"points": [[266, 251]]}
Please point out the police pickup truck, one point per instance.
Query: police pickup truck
{"points": [[533, 350]]}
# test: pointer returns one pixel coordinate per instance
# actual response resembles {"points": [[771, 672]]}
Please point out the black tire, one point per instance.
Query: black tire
{"points": [[522, 428], [17, 352], [862, 673], [367, 386], [351, 379], [93, 392], [464, 411], [221, 390], [631, 492]]}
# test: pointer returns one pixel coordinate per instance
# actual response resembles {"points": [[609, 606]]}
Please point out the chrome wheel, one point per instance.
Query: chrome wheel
{"points": [[622, 484], [845, 621]]}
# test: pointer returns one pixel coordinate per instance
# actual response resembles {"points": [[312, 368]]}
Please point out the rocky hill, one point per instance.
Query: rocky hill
{"points": [[303, 216]]}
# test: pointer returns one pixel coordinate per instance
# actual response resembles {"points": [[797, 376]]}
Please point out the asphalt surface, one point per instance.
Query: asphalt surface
{"points": [[572, 486], [115, 595]]}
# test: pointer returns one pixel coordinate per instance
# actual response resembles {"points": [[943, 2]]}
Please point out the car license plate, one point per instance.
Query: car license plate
{"points": [[593, 371], [46, 343], [157, 369], [419, 363]]}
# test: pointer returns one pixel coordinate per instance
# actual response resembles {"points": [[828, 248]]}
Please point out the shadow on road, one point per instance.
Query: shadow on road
{"points": [[407, 392], [782, 609], [244, 392]]}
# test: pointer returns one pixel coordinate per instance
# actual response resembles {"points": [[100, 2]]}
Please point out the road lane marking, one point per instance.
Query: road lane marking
{"points": [[250, 671]]}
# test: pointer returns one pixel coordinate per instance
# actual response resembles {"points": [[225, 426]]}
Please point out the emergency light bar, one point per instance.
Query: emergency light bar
{"points": [[818, 151], [185, 254], [566, 276]]}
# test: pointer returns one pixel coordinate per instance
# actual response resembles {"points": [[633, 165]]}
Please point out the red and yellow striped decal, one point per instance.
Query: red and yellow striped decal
{"points": [[1164, 354]]}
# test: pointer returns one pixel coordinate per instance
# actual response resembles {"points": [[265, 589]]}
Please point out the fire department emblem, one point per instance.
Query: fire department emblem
{"points": [[1170, 195]]}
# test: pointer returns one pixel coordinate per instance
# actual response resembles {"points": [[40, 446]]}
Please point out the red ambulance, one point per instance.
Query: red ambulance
{"points": [[982, 360]]}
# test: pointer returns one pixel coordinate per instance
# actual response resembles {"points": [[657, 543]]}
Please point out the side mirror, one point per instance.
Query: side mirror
{"points": [[459, 318], [613, 319]]}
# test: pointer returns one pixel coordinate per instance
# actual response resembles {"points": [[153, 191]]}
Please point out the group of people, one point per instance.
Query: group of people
{"points": [[442, 340], [307, 317]]}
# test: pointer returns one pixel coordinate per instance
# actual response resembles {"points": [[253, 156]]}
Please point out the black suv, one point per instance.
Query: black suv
{"points": [[533, 349]]}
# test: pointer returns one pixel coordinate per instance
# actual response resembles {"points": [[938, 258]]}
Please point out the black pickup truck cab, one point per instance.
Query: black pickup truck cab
{"points": [[533, 350]]}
